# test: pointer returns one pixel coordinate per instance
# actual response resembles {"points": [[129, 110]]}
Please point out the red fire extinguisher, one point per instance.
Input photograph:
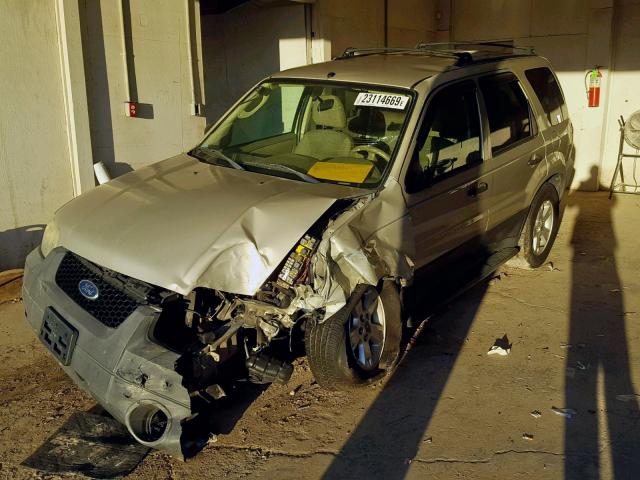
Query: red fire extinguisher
{"points": [[593, 81]]}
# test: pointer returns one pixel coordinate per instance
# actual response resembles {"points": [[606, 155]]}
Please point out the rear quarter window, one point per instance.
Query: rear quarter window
{"points": [[546, 87]]}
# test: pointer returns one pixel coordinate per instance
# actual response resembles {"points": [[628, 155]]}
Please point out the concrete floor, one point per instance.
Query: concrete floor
{"points": [[449, 411]]}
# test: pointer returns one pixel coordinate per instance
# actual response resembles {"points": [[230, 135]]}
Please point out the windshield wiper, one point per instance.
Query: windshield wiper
{"points": [[285, 168], [210, 153]]}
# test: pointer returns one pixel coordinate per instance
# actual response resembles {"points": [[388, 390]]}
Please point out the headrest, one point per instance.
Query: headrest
{"points": [[328, 111], [369, 122]]}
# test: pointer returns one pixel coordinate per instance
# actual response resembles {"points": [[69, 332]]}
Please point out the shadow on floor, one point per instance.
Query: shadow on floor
{"points": [[16, 243], [91, 444], [392, 432], [399, 417], [598, 384]]}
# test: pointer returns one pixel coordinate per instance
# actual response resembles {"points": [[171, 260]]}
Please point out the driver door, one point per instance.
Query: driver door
{"points": [[447, 183]]}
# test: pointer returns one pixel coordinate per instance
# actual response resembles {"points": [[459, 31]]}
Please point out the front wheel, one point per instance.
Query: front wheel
{"points": [[541, 227], [360, 342]]}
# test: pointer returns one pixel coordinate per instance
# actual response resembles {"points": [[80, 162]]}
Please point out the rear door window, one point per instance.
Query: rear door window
{"points": [[508, 111], [548, 91]]}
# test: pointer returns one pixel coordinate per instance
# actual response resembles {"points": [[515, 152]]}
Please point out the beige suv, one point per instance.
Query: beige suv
{"points": [[322, 198]]}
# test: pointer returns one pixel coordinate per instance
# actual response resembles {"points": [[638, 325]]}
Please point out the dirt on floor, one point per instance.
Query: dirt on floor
{"points": [[449, 410]]}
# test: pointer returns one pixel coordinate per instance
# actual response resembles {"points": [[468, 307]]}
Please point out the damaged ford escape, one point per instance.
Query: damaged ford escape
{"points": [[313, 209]]}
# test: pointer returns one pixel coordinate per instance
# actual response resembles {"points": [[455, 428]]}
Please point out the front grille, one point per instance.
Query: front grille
{"points": [[111, 307]]}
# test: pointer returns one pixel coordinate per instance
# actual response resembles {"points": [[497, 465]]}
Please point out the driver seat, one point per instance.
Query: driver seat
{"points": [[328, 139]]}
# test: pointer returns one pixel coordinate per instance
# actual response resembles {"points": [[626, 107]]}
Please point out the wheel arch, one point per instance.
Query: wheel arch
{"points": [[558, 181]]}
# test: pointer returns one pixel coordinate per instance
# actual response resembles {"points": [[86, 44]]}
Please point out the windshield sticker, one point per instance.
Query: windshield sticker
{"points": [[381, 100], [341, 172]]}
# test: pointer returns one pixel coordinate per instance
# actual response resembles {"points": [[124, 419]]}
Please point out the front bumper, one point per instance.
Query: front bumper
{"points": [[120, 367]]}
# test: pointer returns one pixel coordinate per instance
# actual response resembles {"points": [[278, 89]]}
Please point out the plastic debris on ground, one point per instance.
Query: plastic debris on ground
{"points": [[93, 445], [536, 414], [582, 366], [295, 390], [500, 347], [564, 412], [527, 436]]}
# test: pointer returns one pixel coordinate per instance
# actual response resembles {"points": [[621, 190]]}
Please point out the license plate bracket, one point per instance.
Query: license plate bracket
{"points": [[58, 335]]}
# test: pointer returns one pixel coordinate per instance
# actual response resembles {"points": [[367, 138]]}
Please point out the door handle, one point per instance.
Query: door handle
{"points": [[535, 159], [477, 189]]}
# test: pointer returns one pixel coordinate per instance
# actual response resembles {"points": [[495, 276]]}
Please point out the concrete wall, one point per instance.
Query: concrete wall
{"points": [[338, 25], [360, 23], [575, 35], [410, 22], [624, 93], [63, 89], [35, 169], [159, 79], [245, 45]]}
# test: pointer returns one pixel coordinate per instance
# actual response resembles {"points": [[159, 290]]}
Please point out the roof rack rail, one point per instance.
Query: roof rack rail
{"points": [[453, 46], [461, 57], [463, 52]]}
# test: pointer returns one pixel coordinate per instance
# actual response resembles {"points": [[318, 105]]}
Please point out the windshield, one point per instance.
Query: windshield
{"points": [[311, 132]]}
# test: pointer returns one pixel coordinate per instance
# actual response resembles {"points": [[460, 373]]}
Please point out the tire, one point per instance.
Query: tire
{"points": [[534, 244], [333, 362]]}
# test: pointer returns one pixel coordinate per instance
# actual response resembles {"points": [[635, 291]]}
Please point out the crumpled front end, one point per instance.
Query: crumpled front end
{"points": [[157, 359], [367, 242]]}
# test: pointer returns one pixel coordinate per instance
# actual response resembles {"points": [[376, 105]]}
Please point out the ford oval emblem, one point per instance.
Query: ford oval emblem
{"points": [[88, 289]]}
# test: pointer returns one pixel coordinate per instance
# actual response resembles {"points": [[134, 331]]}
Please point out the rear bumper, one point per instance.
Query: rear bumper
{"points": [[120, 367]]}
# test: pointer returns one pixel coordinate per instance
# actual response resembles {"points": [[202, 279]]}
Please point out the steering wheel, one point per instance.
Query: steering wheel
{"points": [[369, 149]]}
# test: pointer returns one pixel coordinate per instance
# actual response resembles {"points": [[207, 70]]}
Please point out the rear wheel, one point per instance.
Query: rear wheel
{"points": [[541, 227], [360, 342]]}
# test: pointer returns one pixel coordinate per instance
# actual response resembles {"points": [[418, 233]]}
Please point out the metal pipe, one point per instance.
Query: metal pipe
{"points": [[125, 59], [187, 4]]}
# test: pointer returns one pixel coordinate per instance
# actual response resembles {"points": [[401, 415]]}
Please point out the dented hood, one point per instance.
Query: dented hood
{"points": [[181, 224]]}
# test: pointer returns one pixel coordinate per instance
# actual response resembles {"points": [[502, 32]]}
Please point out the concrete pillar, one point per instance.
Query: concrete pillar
{"points": [[75, 95]]}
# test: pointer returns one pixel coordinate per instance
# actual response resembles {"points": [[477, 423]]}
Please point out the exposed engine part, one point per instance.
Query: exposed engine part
{"points": [[296, 268], [276, 295], [252, 312], [225, 343], [268, 327], [267, 369]]}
